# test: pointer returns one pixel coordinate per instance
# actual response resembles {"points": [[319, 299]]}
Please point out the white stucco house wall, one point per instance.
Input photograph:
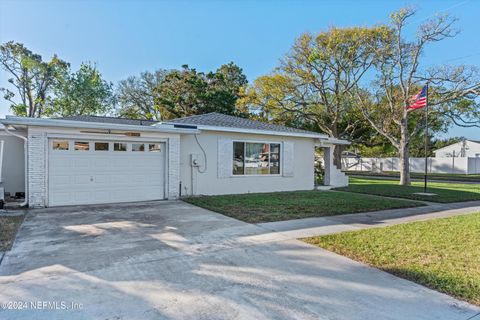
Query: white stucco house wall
{"points": [[96, 160], [12, 169], [463, 149]]}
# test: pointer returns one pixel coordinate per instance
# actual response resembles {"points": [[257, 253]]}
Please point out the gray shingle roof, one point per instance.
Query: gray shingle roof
{"points": [[102, 119], [222, 120], [209, 119]]}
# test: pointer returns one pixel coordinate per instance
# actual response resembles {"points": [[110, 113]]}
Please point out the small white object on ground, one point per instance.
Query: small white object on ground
{"points": [[425, 194]]}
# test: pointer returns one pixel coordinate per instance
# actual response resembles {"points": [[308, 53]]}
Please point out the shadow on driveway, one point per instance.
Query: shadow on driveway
{"points": [[172, 260]]}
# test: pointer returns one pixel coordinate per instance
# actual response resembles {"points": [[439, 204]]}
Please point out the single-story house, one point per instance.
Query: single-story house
{"points": [[92, 160], [463, 149]]}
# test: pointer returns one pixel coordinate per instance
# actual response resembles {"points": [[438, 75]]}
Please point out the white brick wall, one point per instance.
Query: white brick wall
{"points": [[173, 166], [36, 168]]}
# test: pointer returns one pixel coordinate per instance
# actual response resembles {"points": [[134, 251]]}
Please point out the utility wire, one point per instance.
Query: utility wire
{"points": [[463, 57], [478, 314], [444, 10]]}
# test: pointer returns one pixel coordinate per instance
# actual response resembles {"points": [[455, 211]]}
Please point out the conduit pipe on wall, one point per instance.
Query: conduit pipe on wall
{"points": [[25, 144], [193, 172]]}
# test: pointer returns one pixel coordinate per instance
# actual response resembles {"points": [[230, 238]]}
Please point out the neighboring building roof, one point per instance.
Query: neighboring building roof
{"points": [[456, 143], [103, 119], [222, 120]]}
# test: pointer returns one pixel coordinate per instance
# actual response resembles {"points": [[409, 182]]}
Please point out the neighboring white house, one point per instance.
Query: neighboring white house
{"points": [[463, 149], [90, 160]]}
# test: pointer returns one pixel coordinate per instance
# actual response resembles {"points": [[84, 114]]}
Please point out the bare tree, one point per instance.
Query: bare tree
{"points": [[400, 76], [136, 95]]}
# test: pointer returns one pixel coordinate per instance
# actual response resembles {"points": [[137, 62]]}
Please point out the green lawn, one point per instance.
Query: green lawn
{"points": [[8, 229], [266, 207], [443, 254], [446, 192], [432, 176]]}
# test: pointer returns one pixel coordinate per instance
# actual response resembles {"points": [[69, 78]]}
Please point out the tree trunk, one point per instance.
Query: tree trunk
{"points": [[337, 149], [404, 152], [337, 156]]}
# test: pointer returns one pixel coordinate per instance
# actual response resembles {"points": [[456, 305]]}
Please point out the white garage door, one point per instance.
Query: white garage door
{"points": [[91, 172]]}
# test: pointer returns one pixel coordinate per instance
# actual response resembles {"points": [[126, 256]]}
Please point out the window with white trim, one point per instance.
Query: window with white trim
{"points": [[119, 146], [82, 145], [60, 145], [138, 147], [154, 147], [101, 146], [253, 158]]}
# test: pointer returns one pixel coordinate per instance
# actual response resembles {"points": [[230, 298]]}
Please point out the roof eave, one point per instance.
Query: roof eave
{"points": [[256, 131], [45, 122]]}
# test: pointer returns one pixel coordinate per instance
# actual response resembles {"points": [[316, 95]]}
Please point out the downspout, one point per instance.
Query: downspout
{"points": [[25, 141]]}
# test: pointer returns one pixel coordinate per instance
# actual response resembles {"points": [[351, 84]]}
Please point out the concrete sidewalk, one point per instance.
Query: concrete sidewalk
{"points": [[300, 228], [413, 179]]}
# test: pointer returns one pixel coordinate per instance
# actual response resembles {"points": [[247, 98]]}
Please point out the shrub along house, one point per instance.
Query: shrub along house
{"points": [[92, 160]]}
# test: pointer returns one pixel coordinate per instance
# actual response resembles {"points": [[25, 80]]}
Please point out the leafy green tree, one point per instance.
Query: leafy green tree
{"points": [[187, 92], [83, 92], [168, 94], [32, 78], [181, 93], [311, 86], [224, 87]]}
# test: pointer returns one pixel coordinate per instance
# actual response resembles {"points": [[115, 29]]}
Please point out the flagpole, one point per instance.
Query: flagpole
{"points": [[426, 141]]}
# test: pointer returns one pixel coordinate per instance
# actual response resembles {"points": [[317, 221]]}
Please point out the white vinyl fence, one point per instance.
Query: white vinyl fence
{"points": [[435, 165]]}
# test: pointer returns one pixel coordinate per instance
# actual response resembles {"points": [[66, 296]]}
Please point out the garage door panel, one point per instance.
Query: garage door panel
{"points": [[100, 179], [80, 163], [102, 163], [60, 197], [101, 195], [61, 180], [139, 179], [61, 165], [120, 179], [82, 179], [89, 177], [81, 196], [120, 163]]}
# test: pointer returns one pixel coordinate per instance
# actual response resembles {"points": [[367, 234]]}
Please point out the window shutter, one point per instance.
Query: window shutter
{"points": [[225, 158], [288, 159]]}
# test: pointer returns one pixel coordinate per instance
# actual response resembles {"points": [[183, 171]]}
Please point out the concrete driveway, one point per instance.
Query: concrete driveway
{"points": [[171, 260]]}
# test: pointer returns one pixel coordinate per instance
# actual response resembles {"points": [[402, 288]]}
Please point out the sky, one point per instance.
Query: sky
{"points": [[126, 37]]}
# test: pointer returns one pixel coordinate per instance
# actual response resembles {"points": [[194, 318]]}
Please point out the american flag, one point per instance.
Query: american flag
{"points": [[419, 100]]}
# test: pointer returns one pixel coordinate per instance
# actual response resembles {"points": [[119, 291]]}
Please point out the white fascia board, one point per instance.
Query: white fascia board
{"points": [[45, 122], [254, 131]]}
